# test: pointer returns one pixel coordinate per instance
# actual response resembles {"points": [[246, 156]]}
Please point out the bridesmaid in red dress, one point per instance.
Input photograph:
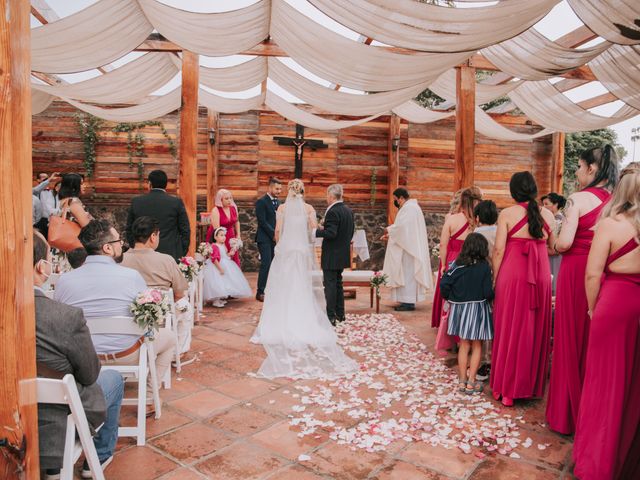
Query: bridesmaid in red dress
{"points": [[455, 230], [597, 173], [225, 214], [522, 307], [607, 441]]}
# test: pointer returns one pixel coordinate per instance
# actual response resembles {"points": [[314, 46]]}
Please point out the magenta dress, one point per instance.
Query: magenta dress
{"points": [[453, 250], [522, 318], [571, 326], [230, 224], [607, 441]]}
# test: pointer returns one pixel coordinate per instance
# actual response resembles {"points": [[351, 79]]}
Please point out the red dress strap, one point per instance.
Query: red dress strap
{"points": [[523, 221], [631, 245], [461, 231], [601, 193]]}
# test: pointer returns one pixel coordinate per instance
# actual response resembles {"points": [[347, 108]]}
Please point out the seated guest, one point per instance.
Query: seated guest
{"points": [[102, 288], [161, 270], [63, 345], [77, 257]]}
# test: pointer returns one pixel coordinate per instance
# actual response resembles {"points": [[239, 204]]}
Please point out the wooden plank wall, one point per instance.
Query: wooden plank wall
{"points": [[248, 156]]}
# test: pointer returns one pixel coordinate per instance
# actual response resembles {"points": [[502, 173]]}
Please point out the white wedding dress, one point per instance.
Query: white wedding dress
{"points": [[294, 328]]}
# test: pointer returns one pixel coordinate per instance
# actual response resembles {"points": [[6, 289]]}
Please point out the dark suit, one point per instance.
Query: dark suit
{"points": [[170, 212], [63, 344], [265, 236], [336, 252]]}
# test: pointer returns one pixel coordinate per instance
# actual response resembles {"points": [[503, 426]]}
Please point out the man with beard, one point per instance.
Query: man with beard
{"points": [[103, 288]]}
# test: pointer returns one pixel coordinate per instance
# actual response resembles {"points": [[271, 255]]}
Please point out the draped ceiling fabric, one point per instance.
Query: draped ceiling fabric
{"points": [[488, 127], [429, 28], [95, 36], [414, 113], [229, 105], [545, 105], [212, 34], [40, 101], [615, 20], [618, 69], [335, 101], [350, 63], [445, 87], [125, 84], [154, 108], [237, 78], [531, 56], [295, 114]]}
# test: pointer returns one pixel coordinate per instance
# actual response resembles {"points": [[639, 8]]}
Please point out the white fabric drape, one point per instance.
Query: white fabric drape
{"points": [[129, 83], [90, 38], [39, 101], [335, 101], [295, 114], [419, 26], [228, 105], [414, 113], [615, 20], [544, 104], [138, 113], [488, 127], [349, 63], [531, 56], [212, 34], [445, 87], [237, 78], [618, 69]]}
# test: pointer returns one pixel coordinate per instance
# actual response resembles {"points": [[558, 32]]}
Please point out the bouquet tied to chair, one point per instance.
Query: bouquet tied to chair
{"points": [[149, 310]]}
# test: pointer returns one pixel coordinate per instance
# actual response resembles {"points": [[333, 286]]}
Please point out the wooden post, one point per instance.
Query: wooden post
{"points": [[18, 407], [557, 159], [465, 126], [189, 141], [393, 169], [212, 158]]}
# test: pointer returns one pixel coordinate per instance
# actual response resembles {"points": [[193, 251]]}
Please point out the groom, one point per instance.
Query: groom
{"points": [[266, 235], [336, 233]]}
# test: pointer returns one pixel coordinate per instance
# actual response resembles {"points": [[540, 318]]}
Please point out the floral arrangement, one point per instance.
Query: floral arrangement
{"points": [[377, 280], [435, 250], [189, 267], [235, 244], [149, 310], [203, 251]]}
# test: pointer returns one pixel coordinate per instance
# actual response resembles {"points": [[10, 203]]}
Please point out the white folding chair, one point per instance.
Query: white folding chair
{"points": [[146, 366], [65, 392], [171, 324]]}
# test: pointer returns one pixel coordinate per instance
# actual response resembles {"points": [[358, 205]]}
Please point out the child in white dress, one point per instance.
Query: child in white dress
{"points": [[222, 276]]}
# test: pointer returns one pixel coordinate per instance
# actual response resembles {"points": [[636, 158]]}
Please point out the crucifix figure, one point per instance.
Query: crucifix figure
{"points": [[300, 142]]}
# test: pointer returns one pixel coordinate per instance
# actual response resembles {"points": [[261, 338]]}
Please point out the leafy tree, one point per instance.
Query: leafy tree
{"points": [[576, 143]]}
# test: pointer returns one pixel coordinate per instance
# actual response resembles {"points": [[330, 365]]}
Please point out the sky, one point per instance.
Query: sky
{"points": [[559, 21]]}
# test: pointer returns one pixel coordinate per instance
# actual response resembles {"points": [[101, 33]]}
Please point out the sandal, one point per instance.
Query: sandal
{"points": [[462, 386], [476, 387]]}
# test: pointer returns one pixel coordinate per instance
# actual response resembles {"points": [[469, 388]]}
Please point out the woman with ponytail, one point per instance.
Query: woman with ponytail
{"points": [[522, 308], [597, 174], [458, 224]]}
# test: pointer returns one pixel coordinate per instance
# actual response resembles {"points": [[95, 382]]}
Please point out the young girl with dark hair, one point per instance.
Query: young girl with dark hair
{"points": [[467, 285], [522, 310]]}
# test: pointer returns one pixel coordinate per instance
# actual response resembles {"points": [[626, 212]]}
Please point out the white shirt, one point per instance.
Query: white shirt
{"points": [[50, 203], [102, 288]]}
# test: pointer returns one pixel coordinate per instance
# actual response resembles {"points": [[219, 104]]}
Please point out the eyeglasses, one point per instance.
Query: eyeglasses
{"points": [[119, 240]]}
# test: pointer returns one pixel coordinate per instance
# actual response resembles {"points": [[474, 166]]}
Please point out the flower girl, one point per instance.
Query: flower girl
{"points": [[222, 276]]}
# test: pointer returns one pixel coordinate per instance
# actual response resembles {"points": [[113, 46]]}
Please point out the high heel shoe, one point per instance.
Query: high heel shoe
{"points": [[496, 396], [507, 402]]}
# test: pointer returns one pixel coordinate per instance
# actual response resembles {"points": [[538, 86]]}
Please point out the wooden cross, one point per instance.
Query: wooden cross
{"points": [[300, 142]]}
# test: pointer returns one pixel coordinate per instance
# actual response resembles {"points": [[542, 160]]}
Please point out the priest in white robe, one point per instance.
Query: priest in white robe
{"points": [[407, 262]]}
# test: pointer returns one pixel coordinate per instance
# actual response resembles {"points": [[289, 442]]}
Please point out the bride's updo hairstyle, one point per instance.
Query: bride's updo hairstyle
{"points": [[296, 187]]}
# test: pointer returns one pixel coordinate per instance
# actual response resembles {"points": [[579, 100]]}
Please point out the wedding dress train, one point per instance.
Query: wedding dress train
{"points": [[294, 328]]}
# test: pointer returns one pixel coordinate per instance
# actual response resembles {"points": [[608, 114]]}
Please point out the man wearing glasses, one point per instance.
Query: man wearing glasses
{"points": [[103, 288]]}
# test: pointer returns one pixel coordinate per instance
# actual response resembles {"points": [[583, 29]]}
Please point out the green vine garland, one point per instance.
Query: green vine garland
{"points": [[135, 142], [374, 185], [88, 126]]}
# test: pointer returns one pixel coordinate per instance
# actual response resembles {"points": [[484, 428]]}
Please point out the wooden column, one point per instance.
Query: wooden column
{"points": [[189, 141], [557, 159], [212, 158], [18, 408], [393, 169], [465, 126]]}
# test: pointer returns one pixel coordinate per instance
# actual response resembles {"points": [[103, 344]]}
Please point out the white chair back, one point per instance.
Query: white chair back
{"points": [[171, 324]]}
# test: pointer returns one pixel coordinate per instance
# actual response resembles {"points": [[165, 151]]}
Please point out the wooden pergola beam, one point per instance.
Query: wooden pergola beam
{"points": [[465, 127], [557, 161], [598, 101], [393, 165], [213, 153]]}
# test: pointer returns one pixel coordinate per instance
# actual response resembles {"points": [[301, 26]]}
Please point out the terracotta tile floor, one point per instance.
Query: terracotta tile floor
{"points": [[219, 423]]}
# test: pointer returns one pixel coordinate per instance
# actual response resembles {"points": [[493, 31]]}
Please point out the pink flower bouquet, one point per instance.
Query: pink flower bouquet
{"points": [[189, 268], [203, 251], [377, 280], [149, 310]]}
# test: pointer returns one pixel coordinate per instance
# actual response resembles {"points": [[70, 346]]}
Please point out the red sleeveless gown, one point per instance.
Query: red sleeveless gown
{"points": [[453, 250], [607, 441], [571, 325], [230, 224], [522, 318]]}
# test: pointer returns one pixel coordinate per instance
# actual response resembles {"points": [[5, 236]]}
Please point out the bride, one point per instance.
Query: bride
{"points": [[294, 328]]}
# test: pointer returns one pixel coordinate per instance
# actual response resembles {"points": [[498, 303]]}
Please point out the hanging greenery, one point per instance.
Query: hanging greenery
{"points": [[135, 142], [88, 126], [374, 185]]}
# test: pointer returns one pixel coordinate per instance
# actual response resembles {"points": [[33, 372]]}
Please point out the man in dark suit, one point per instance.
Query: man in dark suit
{"points": [[168, 210], [266, 235], [64, 345], [336, 235]]}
